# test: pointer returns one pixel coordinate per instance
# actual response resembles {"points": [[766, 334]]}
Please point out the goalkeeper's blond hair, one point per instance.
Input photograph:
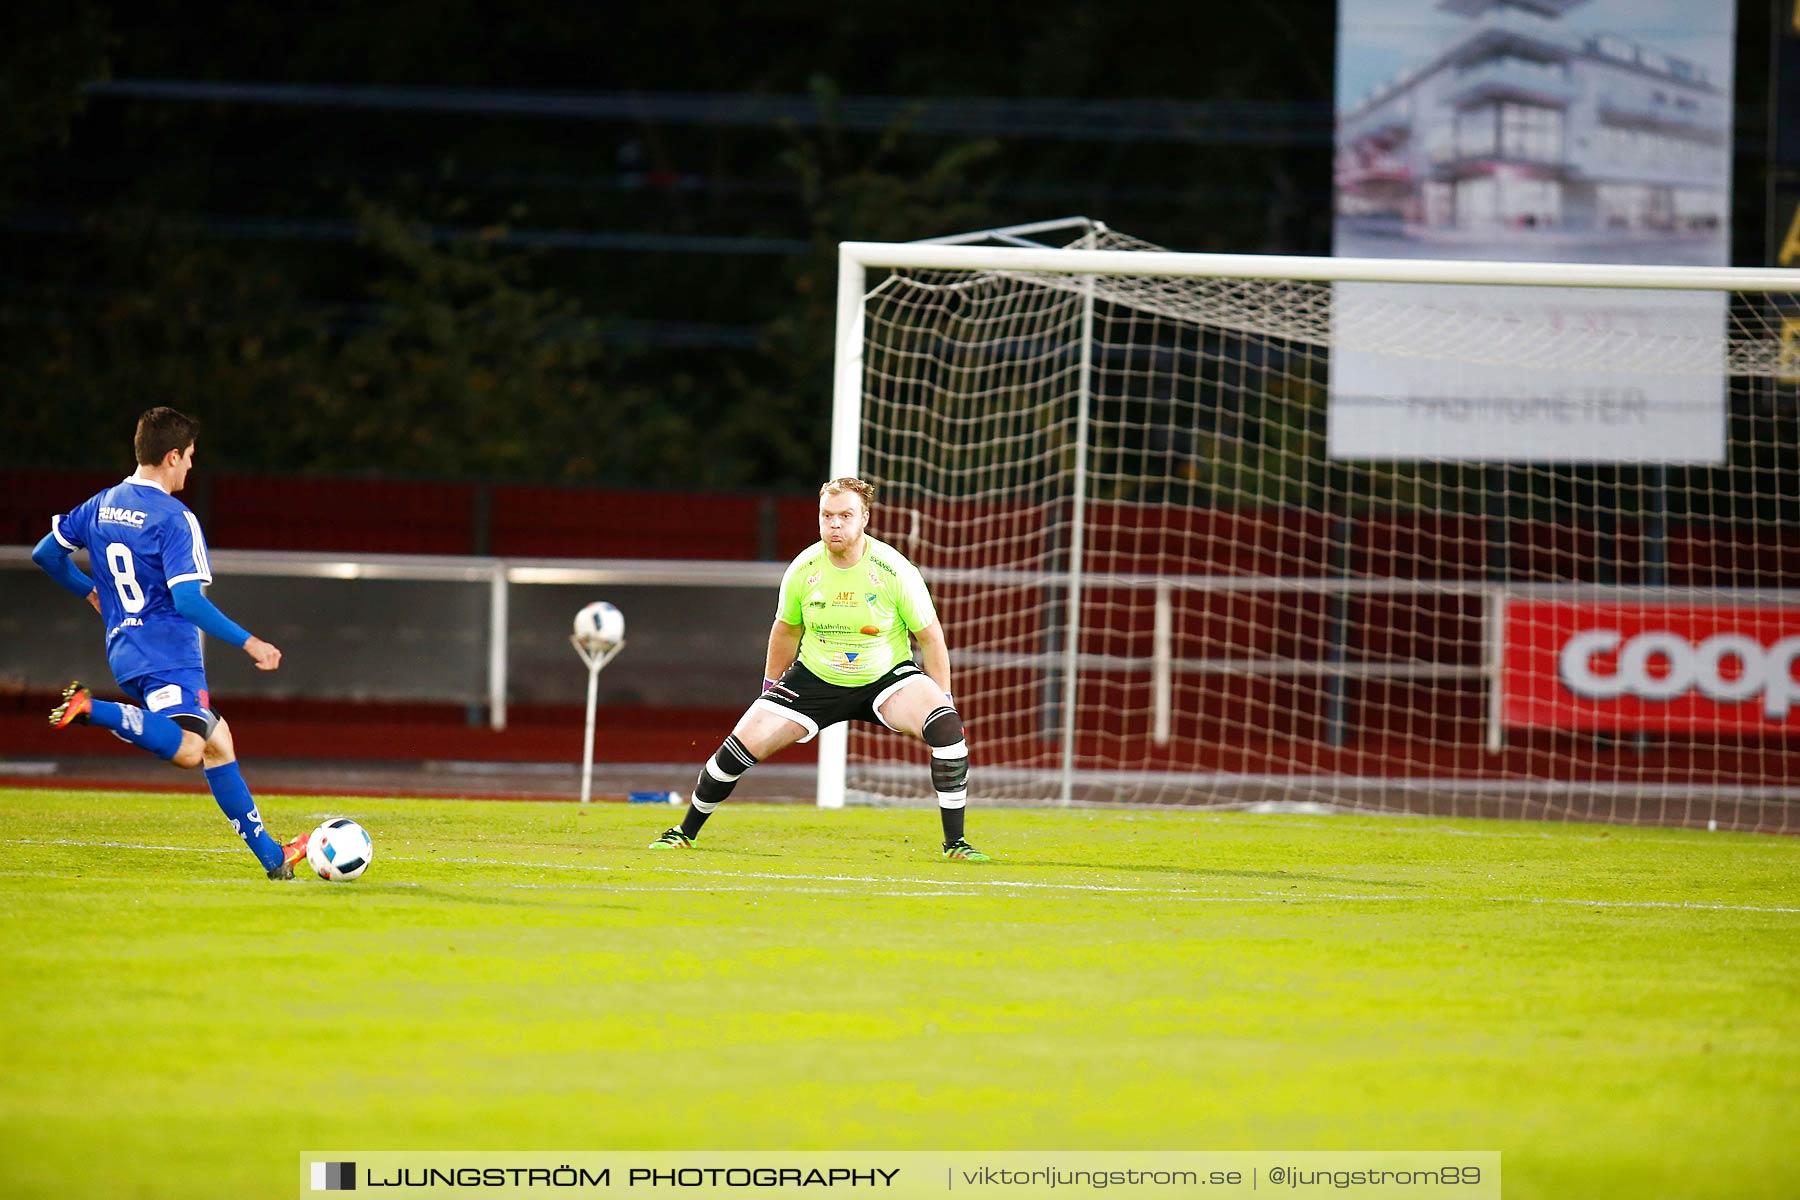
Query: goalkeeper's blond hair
{"points": [[850, 483]]}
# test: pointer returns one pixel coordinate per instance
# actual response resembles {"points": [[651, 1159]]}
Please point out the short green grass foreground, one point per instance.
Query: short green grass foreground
{"points": [[1617, 1011]]}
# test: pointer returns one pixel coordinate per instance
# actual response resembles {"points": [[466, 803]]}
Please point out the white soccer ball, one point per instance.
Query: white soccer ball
{"points": [[340, 850], [599, 626]]}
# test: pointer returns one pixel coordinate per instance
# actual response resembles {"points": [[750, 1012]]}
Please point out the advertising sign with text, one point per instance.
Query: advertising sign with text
{"points": [[1581, 131], [1643, 666]]}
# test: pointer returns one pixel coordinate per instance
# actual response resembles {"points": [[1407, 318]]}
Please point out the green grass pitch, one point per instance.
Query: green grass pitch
{"points": [[1616, 1010]]}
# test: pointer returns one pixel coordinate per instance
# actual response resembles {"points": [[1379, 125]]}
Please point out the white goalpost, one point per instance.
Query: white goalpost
{"points": [[1465, 538]]}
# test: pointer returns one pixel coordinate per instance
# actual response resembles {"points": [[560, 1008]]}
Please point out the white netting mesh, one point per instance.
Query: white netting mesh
{"points": [[1258, 623], [1428, 321]]}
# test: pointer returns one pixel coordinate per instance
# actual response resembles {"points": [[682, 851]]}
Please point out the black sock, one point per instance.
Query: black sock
{"points": [[953, 824], [692, 820], [713, 787]]}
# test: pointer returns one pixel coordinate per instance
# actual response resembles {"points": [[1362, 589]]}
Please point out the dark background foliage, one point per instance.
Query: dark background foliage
{"points": [[371, 278]]}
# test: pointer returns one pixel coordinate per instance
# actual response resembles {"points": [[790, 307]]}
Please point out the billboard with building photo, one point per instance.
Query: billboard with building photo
{"points": [[1532, 130]]}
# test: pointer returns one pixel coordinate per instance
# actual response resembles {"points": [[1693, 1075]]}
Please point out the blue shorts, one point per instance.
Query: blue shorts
{"points": [[175, 693]]}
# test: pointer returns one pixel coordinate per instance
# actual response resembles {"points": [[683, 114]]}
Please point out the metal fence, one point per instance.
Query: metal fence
{"points": [[475, 631]]}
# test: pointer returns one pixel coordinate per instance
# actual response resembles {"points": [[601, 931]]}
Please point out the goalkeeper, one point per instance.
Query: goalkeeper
{"points": [[840, 650]]}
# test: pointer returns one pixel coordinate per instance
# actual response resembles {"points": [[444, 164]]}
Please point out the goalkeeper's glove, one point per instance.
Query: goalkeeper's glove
{"points": [[768, 683]]}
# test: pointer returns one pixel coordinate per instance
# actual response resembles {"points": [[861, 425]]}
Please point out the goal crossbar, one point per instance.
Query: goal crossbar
{"points": [[857, 257]]}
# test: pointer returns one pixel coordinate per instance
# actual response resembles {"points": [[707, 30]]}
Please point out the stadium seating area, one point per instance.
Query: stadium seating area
{"points": [[1395, 725], [372, 516]]}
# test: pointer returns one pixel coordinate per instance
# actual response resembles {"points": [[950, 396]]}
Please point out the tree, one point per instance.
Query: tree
{"points": [[180, 319], [48, 50], [895, 189]]}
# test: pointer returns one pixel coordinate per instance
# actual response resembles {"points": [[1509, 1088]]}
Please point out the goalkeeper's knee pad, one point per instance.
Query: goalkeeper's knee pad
{"points": [[943, 732]]}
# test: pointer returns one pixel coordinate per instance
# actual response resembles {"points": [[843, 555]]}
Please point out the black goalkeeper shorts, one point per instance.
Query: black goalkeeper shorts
{"points": [[814, 704]]}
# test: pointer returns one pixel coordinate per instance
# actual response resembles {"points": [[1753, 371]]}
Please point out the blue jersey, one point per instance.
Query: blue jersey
{"points": [[141, 541]]}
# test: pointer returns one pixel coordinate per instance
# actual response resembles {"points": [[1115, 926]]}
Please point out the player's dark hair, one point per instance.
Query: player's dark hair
{"points": [[161, 430], [850, 483]]}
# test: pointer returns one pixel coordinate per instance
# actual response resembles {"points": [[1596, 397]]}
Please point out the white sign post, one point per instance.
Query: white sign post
{"points": [[594, 657]]}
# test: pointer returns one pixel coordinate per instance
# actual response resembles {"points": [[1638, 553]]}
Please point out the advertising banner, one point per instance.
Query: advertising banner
{"points": [[1596, 131], [1651, 667]]}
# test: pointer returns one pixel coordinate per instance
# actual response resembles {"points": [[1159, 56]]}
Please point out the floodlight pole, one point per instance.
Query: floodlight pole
{"points": [[595, 660]]}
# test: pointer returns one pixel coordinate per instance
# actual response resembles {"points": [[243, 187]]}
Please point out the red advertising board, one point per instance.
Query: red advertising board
{"points": [[1641, 666]]}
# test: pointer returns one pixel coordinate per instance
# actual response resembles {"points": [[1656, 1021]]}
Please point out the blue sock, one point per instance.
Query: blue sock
{"points": [[154, 732], [233, 794]]}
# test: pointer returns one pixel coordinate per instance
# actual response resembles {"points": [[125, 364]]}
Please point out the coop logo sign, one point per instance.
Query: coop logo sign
{"points": [[1651, 667], [1754, 670]]}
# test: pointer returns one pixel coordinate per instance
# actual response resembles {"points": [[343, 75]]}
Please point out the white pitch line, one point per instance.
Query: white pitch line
{"points": [[733, 889], [1378, 825], [965, 888], [119, 845], [556, 866], [598, 888], [722, 874]]}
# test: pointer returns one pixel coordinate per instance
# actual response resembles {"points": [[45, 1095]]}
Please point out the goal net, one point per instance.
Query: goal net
{"points": [[1449, 538]]}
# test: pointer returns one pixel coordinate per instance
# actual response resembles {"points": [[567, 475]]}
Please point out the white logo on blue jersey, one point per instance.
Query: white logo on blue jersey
{"points": [[141, 543]]}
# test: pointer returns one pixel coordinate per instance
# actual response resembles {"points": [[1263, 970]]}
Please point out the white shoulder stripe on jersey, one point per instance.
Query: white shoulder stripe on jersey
{"points": [[202, 568], [56, 532]]}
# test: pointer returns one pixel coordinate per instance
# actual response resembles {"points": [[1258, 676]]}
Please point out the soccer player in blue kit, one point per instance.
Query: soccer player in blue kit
{"points": [[153, 555]]}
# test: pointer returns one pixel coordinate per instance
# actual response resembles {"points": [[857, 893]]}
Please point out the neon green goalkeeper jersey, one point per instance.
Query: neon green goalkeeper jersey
{"points": [[857, 619]]}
